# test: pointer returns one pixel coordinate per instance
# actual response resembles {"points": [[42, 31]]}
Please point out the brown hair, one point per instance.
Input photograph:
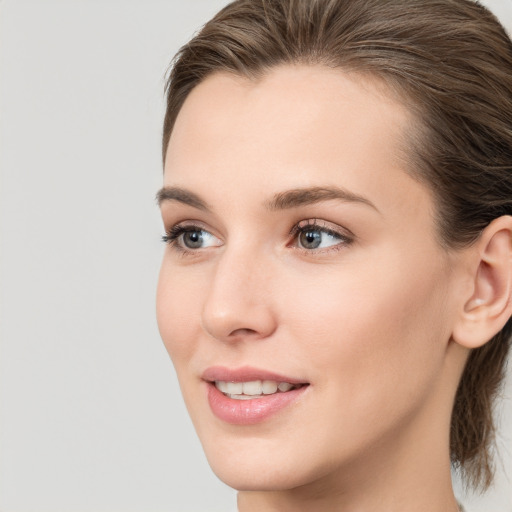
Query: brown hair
{"points": [[451, 63]]}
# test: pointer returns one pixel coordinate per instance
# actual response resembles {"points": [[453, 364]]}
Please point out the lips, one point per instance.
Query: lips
{"points": [[246, 396], [245, 374]]}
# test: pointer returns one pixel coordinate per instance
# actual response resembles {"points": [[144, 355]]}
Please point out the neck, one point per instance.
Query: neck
{"points": [[249, 501]]}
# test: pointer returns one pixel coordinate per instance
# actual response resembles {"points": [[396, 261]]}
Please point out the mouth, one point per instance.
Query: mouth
{"points": [[247, 396], [254, 389]]}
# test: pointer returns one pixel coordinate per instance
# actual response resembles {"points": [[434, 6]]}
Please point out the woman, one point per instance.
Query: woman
{"points": [[336, 290]]}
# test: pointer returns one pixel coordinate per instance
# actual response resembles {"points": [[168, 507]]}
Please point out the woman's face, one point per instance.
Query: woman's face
{"points": [[301, 252]]}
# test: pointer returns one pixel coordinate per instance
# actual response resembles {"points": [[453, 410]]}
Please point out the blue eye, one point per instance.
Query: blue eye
{"points": [[190, 238], [311, 236], [317, 239], [307, 235]]}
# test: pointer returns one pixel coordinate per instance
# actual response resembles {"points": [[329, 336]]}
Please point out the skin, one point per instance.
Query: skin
{"points": [[367, 319]]}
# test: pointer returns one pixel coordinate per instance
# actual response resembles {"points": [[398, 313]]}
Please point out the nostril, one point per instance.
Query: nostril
{"points": [[243, 332]]}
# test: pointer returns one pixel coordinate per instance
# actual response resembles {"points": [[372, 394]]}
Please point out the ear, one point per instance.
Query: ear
{"points": [[488, 305]]}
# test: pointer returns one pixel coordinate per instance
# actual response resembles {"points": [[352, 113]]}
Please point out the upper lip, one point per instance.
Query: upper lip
{"points": [[245, 374]]}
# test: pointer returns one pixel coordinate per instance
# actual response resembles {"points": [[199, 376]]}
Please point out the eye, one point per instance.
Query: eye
{"points": [[311, 235], [315, 239], [190, 238]]}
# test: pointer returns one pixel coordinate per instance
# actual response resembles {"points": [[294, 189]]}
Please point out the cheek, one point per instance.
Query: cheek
{"points": [[374, 343], [177, 313], [373, 327]]}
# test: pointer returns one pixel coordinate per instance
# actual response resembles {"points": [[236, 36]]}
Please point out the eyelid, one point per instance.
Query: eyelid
{"points": [[174, 233], [322, 225], [345, 236]]}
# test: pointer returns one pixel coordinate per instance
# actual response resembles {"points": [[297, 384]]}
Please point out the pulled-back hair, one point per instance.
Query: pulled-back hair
{"points": [[450, 61]]}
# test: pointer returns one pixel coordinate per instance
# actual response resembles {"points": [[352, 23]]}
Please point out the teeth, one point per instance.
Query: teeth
{"points": [[284, 386], [269, 387], [244, 397], [234, 388], [252, 389], [222, 386]]}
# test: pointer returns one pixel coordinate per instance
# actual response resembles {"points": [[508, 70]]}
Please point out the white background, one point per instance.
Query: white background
{"points": [[91, 418]]}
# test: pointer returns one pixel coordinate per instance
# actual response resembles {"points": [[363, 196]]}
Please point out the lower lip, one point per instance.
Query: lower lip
{"points": [[249, 412]]}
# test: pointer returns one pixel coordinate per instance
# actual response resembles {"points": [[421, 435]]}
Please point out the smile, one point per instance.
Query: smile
{"points": [[247, 396], [254, 389]]}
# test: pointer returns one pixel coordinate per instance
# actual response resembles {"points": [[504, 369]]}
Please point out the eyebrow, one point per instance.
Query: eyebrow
{"points": [[182, 196], [281, 201], [305, 196]]}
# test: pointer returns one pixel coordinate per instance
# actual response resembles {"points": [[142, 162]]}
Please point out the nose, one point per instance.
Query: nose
{"points": [[238, 304]]}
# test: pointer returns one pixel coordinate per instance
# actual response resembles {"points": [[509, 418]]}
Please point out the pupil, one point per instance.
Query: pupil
{"points": [[193, 239], [310, 239]]}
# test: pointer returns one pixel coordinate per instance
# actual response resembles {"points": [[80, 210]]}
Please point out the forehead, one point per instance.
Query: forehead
{"points": [[295, 126], [310, 105]]}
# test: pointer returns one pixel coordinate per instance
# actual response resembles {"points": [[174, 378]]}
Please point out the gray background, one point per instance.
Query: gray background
{"points": [[91, 418]]}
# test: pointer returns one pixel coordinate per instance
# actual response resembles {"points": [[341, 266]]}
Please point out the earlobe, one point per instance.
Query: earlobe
{"points": [[487, 309]]}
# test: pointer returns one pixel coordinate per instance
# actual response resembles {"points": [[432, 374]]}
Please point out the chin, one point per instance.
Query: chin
{"points": [[247, 465], [267, 478]]}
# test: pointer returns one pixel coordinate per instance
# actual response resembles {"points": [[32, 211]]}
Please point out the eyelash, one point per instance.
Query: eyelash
{"points": [[173, 235], [315, 225]]}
